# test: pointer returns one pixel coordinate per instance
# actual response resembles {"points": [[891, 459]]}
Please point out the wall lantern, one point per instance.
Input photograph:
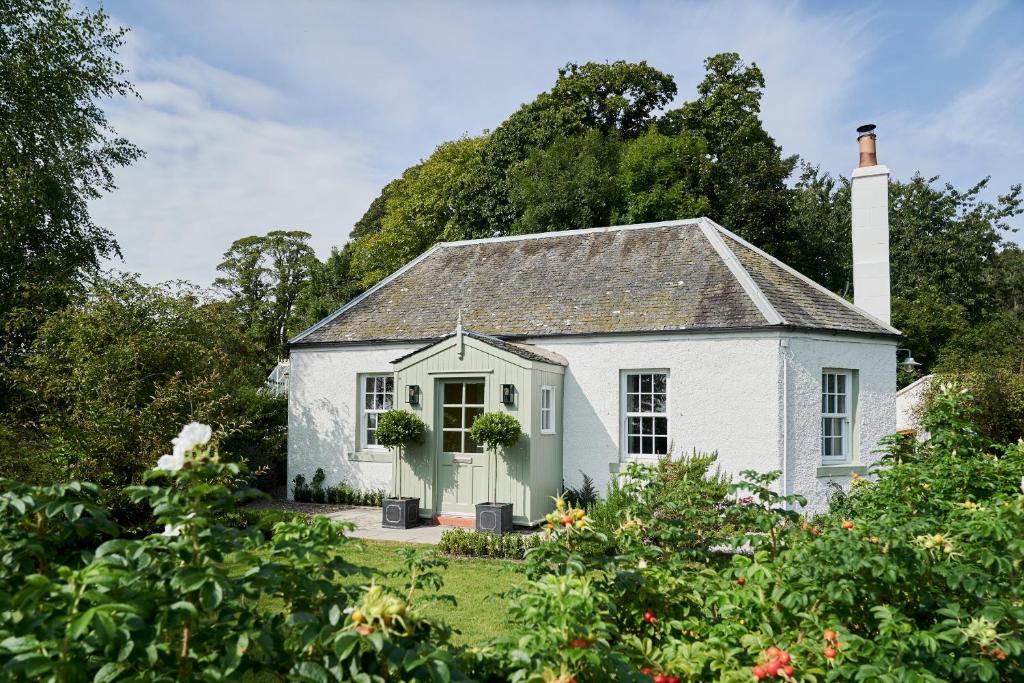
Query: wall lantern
{"points": [[909, 363], [508, 394], [414, 394]]}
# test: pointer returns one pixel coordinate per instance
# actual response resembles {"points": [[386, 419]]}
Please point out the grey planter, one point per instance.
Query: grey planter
{"points": [[401, 513], [494, 517]]}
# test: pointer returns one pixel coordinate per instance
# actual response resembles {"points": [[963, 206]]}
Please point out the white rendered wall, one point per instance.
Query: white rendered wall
{"points": [[909, 403], [322, 408], [806, 357], [723, 396]]}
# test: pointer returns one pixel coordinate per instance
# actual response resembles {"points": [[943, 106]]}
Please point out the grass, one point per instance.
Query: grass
{"points": [[479, 613]]}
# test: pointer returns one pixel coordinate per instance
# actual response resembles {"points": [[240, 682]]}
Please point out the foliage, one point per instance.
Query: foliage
{"points": [[898, 592], [58, 152], [917, 580], [75, 606], [583, 497], [469, 543], [570, 184], [107, 375], [263, 278], [420, 210], [664, 176], [400, 428], [495, 430], [341, 494]]}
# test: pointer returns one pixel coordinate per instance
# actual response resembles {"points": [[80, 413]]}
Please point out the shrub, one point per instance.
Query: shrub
{"points": [[496, 430], [77, 603], [585, 496], [399, 429], [469, 543], [301, 491], [318, 495]]}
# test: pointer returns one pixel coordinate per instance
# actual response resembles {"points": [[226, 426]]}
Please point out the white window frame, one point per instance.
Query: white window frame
{"points": [[549, 411], [846, 416], [364, 411], [624, 454]]}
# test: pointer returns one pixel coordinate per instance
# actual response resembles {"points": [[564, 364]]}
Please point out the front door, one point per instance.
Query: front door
{"points": [[462, 468]]}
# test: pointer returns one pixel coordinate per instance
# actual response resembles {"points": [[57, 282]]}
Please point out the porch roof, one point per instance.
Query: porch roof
{"points": [[526, 351]]}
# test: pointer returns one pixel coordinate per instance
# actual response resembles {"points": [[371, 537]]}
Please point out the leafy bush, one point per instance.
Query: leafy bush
{"points": [[399, 429], [79, 604], [342, 494], [496, 430], [469, 543], [585, 496]]}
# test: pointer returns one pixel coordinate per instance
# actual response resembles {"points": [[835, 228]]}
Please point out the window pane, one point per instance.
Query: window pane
{"points": [[452, 442], [451, 417], [648, 445], [646, 403], [472, 446], [841, 403], [827, 446], [831, 384], [633, 383], [387, 402], [545, 399], [645, 383], [837, 446], [659, 404], [475, 394], [826, 427], [661, 425], [371, 437], [368, 384], [661, 445], [368, 402], [634, 445], [471, 415], [389, 384], [632, 403], [452, 394], [545, 420], [660, 384], [633, 425], [841, 384], [837, 426], [378, 401]]}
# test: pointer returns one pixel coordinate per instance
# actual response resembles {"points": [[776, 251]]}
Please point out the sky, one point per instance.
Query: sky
{"points": [[264, 115]]}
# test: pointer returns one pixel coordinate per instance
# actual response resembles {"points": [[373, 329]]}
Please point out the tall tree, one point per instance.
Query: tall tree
{"points": [[748, 174], [57, 152], [420, 210], [663, 177], [570, 184], [263, 276]]}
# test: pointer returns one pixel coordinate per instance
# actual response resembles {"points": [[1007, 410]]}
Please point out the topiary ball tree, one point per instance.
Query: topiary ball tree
{"points": [[496, 430], [399, 428]]}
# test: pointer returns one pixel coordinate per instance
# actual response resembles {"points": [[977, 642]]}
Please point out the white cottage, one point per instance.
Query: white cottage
{"points": [[609, 345]]}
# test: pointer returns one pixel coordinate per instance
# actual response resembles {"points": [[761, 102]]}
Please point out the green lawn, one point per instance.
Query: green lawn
{"points": [[479, 613]]}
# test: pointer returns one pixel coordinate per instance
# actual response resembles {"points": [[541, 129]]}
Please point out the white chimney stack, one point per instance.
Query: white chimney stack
{"points": [[869, 190]]}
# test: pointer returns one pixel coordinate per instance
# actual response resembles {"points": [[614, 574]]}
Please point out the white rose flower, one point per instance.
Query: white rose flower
{"points": [[171, 530], [171, 463], [193, 434]]}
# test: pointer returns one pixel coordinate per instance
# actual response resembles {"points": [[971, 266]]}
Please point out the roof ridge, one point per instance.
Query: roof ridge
{"points": [[752, 290], [802, 277], [679, 222]]}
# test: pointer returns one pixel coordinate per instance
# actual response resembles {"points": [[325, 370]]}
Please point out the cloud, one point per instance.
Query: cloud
{"points": [[217, 169], [959, 28]]}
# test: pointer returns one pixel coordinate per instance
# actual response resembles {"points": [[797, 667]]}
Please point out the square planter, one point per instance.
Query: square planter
{"points": [[401, 513], [494, 517]]}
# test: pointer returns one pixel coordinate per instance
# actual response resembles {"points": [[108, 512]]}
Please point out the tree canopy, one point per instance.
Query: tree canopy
{"points": [[57, 152]]}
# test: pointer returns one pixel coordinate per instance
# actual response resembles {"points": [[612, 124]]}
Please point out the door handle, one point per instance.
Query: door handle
{"points": [[464, 461]]}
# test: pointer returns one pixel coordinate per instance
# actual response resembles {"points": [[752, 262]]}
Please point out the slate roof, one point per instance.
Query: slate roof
{"points": [[527, 351], [676, 276]]}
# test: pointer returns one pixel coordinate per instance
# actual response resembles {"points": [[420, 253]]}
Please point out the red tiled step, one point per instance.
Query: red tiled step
{"points": [[455, 520]]}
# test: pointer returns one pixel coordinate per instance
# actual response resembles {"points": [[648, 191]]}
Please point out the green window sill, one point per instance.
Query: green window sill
{"points": [[841, 470], [371, 456]]}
